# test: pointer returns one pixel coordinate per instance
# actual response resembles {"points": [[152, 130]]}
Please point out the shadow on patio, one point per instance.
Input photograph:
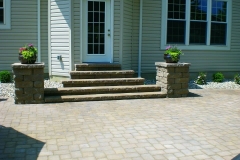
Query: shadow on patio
{"points": [[16, 145]]}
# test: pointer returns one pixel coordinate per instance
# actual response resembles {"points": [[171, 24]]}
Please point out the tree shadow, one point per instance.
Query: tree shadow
{"points": [[16, 145], [237, 157]]}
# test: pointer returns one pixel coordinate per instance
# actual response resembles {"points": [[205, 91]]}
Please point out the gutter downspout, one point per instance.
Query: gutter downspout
{"points": [[39, 30], [140, 40]]}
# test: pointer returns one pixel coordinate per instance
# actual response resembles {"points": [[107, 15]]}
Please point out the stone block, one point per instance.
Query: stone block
{"points": [[181, 91], [24, 97], [33, 90], [18, 78], [174, 86], [24, 84], [38, 96], [24, 71], [38, 84], [173, 75], [182, 69], [18, 91], [184, 85], [185, 75], [38, 71], [34, 77], [168, 80], [170, 70], [181, 80]]}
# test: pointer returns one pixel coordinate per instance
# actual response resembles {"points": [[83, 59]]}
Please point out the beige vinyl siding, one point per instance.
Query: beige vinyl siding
{"points": [[23, 31], [44, 34], [127, 34], [135, 34], [201, 60], [76, 31], [151, 35], [117, 31], [60, 37]]}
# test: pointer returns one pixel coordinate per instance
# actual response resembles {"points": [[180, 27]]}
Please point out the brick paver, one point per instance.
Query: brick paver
{"points": [[203, 126]]}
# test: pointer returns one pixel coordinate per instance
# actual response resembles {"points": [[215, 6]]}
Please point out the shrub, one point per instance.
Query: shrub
{"points": [[218, 77], [237, 79], [5, 77], [201, 79]]}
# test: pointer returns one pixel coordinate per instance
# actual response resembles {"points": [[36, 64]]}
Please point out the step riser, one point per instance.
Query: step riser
{"points": [[101, 76], [86, 84], [101, 98], [97, 68], [101, 91]]}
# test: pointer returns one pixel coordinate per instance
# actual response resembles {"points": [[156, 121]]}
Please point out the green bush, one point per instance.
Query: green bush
{"points": [[218, 77], [237, 79], [5, 77], [201, 79]]}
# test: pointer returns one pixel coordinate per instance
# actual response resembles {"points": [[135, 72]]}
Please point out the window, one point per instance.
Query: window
{"points": [[5, 17], [197, 24]]}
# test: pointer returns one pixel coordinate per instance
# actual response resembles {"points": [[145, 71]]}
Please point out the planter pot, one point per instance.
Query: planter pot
{"points": [[168, 59], [27, 61]]}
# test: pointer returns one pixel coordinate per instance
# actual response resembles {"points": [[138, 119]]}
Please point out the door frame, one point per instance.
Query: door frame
{"points": [[112, 30]]}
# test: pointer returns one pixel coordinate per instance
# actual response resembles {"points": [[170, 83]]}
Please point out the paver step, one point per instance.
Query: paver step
{"points": [[101, 74], [102, 82], [97, 66], [101, 90], [100, 97]]}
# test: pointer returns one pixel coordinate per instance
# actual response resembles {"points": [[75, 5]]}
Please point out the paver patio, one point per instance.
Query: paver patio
{"points": [[203, 126]]}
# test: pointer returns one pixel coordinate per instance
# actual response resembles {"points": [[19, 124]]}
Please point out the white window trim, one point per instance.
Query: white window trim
{"points": [[7, 15], [188, 46]]}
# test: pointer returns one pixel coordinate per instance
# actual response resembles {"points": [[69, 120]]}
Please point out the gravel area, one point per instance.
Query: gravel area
{"points": [[7, 89]]}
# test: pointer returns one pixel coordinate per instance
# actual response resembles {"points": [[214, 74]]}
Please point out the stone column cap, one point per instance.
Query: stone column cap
{"points": [[164, 64], [35, 65]]}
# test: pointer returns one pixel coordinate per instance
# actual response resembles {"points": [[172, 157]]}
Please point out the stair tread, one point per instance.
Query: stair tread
{"points": [[111, 96], [98, 65], [102, 87], [103, 72], [102, 80]]}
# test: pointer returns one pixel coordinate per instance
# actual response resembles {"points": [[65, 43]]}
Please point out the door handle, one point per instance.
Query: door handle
{"points": [[109, 33]]}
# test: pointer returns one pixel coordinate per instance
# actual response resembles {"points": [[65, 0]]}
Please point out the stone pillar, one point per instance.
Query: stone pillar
{"points": [[29, 83], [173, 78]]}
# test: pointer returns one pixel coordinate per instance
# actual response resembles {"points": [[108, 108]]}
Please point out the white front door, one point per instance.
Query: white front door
{"points": [[96, 31]]}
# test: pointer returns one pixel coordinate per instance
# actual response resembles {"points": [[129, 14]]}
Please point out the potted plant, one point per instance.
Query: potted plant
{"points": [[28, 54], [172, 54]]}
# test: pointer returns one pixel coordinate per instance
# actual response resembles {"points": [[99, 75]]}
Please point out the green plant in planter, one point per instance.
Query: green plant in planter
{"points": [[5, 77], [218, 77], [237, 79], [174, 52], [28, 51]]}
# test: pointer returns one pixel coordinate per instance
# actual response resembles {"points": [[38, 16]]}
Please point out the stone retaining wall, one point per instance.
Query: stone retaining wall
{"points": [[173, 78], [29, 83]]}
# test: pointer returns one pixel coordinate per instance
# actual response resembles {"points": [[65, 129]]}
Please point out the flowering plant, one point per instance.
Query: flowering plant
{"points": [[201, 79], [174, 52], [28, 51]]}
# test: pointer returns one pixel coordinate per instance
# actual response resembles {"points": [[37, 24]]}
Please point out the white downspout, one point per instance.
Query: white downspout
{"points": [[140, 40], [39, 31]]}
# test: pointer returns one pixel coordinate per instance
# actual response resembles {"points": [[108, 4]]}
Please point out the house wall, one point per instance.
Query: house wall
{"points": [[60, 27], [76, 31], [206, 61], [23, 31], [117, 31], [44, 34], [127, 32]]}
